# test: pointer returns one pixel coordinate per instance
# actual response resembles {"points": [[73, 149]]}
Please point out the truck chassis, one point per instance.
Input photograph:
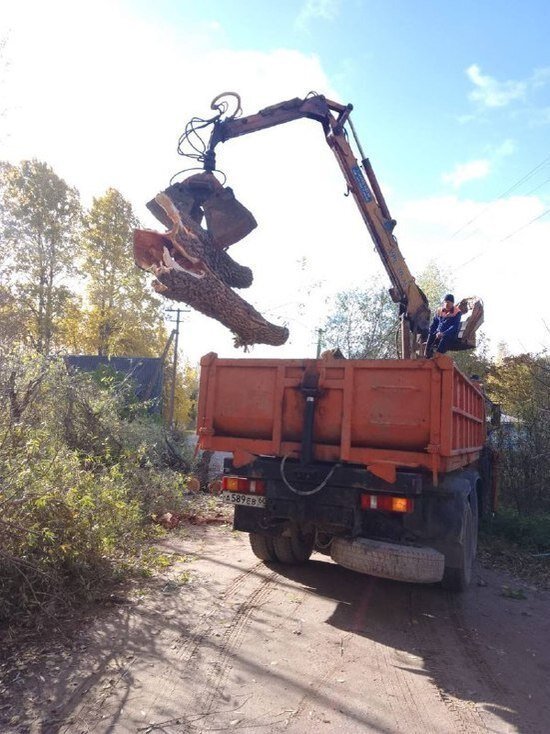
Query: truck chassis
{"points": [[334, 509]]}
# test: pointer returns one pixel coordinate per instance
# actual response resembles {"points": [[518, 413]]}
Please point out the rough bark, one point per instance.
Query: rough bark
{"points": [[233, 274], [189, 267]]}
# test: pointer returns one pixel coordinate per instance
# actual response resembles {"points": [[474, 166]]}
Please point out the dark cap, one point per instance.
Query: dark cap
{"points": [[449, 297]]}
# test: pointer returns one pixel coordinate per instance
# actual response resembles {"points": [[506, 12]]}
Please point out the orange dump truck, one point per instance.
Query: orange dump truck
{"points": [[378, 463]]}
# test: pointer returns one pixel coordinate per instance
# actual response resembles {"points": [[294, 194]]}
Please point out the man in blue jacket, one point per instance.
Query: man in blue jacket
{"points": [[445, 327]]}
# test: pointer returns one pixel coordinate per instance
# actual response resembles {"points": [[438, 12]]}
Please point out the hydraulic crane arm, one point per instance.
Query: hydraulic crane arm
{"points": [[361, 183]]}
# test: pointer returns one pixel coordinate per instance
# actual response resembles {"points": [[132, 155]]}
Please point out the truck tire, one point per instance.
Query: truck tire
{"points": [[295, 549], [388, 560], [262, 547], [457, 579]]}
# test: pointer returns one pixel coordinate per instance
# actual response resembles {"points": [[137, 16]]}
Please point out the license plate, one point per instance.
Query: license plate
{"points": [[250, 500]]}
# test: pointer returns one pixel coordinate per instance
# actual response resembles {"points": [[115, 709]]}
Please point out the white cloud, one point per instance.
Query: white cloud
{"points": [[464, 172], [508, 273], [104, 96], [477, 169], [317, 10], [491, 93]]}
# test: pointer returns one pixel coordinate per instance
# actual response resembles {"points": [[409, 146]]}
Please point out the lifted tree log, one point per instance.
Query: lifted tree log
{"points": [[233, 274], [189, 267]]}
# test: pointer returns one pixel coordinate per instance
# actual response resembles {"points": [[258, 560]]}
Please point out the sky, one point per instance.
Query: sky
{"points": [[451, 104]]}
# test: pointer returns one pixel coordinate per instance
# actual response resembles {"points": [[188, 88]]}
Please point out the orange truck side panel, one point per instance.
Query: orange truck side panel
{"points": [[395, 413]]}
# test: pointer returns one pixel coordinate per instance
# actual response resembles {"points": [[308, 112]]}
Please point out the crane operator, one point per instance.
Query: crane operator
{"points": [[445, 327]]}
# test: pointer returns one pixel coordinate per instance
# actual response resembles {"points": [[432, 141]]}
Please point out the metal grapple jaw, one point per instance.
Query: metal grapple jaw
{"points": [[202, 196], [227, 220]]}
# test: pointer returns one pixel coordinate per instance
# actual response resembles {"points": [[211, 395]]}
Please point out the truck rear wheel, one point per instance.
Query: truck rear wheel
{"points": [[294, 549], [458, 579], [262, 547]]}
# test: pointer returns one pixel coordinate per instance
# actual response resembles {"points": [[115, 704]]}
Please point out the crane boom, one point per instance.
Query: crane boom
{"points": [[361, 182]]}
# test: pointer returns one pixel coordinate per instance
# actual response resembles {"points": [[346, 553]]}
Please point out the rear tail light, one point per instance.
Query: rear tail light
{"points": [[243, 484], [387, 503]]}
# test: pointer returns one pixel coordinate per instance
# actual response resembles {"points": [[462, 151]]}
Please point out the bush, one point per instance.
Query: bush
{"points": [[81, 472], [524, 458], [528, 532], [521, 384]]}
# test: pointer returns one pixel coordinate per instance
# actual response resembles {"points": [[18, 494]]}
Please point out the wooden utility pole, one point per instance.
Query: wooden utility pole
{"points": [[319, 342], [176, 334]]}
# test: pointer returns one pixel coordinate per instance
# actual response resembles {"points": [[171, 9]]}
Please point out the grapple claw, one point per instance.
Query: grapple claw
{"points": [[203, 196]]}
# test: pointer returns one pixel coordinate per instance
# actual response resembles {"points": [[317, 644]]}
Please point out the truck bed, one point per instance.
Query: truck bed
{"points": [[383, 414]]}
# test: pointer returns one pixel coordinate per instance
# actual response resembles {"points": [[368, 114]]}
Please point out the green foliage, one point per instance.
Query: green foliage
{"points": [[477, 361], [121, 316], [80, 477], [70, 282], [10, 324], [521, 384], [435, 282], [39, 214], [186, 395], [528, 532], [363, 324]]}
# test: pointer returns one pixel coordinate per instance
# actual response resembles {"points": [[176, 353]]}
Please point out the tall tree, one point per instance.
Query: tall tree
{"points": [[435, 281], [363, 324], [185, 397], [476, 361], [521, 384], [122, 315], [364, 321], [9, 326], [39, 214]]}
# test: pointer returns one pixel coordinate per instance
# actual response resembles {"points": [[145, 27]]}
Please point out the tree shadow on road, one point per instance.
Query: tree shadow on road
{"points": [[474, 647], [85, 671], [478, 647]]}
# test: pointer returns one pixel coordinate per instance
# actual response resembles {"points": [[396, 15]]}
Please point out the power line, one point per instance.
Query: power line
{"points": [[501, 196], [503, 239], [540, 216], [532, 191]]}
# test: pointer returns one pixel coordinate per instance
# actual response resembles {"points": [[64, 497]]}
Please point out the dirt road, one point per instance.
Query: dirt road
{"points": [[226, 643]]}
